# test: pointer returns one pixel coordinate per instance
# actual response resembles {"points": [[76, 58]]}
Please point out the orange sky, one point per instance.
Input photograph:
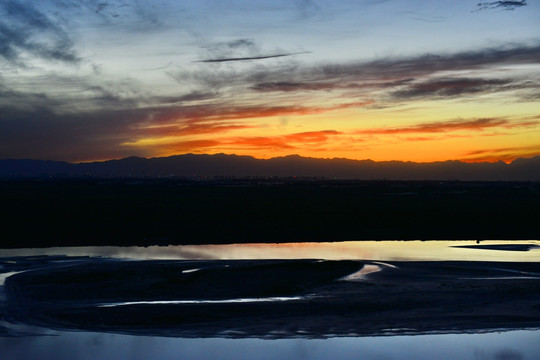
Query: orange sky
{"points": [[477, 128]]}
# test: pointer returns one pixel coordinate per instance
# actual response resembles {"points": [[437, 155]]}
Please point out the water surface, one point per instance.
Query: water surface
{"points": [[521, 344], [349, 250], [19, 341]]}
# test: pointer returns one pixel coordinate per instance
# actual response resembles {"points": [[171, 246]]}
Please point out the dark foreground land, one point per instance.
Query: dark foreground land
{"points": [[71, 212], [402, 297]]}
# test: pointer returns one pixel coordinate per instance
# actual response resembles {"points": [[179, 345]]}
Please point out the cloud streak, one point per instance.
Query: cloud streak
{"points": [[449, 87], [219, 112], [429, 76], [260, 57], [189, 128], [453, 125], [394, 69], [241, 50], [288, 142], [504, 5], [506, 154]]}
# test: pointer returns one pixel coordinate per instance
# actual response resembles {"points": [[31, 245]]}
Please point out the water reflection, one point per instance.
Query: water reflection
{"points": [[361, 250], [522, 345]]}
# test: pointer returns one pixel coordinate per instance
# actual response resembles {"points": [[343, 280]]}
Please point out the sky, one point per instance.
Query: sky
{"points": [[414, 80]]}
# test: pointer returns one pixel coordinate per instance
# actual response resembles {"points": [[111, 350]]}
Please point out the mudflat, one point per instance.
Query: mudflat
{"points": [[276, 298]]}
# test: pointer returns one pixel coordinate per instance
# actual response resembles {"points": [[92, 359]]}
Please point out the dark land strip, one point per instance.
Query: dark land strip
{"points": [[143, 212]]}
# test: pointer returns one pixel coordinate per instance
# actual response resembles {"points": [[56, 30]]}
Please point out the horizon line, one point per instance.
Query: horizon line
{"points": [[276, 157]]}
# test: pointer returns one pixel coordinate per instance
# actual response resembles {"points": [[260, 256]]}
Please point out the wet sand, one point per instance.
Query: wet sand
{"points": [[323, 298]]}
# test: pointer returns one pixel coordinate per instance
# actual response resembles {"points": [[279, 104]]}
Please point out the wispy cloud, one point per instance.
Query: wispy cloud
{"points": [[504, 5], [189, 97], [241, 50], [286, 86], [220, 112], [506, 154], [131, 16], [188, 128], [449, 87], [195, 146], [392, 78], [395, 69], [269, 143], [25, 29], [260, 57], [289, 141], [454, 125], [68, 93]]}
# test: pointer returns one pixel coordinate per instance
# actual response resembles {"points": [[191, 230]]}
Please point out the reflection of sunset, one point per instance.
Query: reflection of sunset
{"points": [[366, 250], [438, 250]]}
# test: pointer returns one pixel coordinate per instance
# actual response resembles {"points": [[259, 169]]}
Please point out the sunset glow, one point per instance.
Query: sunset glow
{"points": [[383, 80]]}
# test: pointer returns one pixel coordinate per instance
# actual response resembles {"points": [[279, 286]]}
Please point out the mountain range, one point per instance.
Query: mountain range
{"points": [[234, 166]]}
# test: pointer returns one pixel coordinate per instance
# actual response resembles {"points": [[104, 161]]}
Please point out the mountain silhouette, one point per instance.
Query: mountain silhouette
{"points": [[222, 165]]}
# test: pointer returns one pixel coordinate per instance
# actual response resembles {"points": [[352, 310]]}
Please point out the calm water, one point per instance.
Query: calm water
{"points": [[518, 345], [504, 345], [352, 250]]}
